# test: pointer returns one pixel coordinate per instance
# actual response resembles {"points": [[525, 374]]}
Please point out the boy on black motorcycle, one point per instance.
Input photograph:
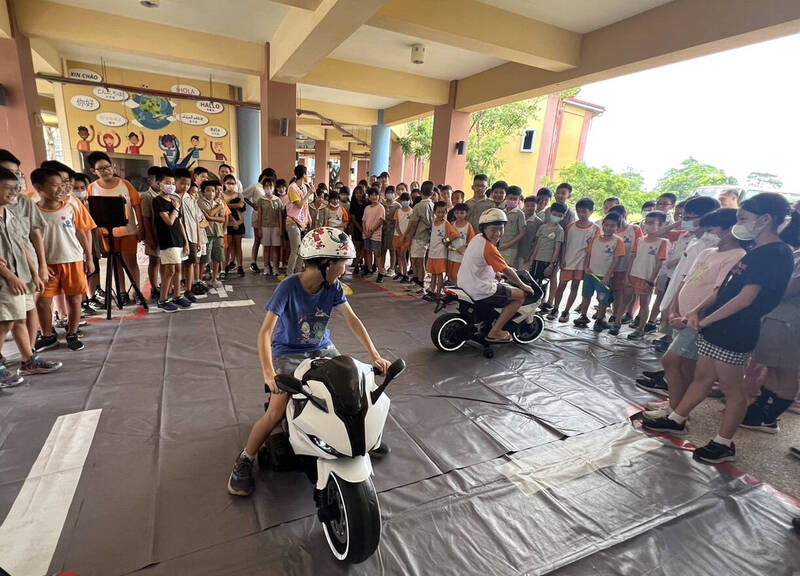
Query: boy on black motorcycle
{"points": [[296, 328], [480, 270]]}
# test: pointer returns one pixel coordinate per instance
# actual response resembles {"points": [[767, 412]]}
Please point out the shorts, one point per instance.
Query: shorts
{"points": [[684, 344], [567, 275], [126, 244], [452, 270], [288, 363], [777, 344], [14, 306], [437, 265], [236, 230], [640, 286], [372, 245], [192, 257], [215, 250], [270, 236], [706, 348], [397, 242], [387, 240], [501, 296], [419, 248], [619, 283], [592, 284], [538, 268], [172, 255], [69, 278], [150, 252]]}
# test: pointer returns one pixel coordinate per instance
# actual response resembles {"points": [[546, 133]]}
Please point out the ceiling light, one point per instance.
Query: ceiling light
{"points": [[418, 54], [150, 3]]}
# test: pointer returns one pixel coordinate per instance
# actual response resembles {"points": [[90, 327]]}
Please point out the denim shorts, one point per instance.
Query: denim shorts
{"points": [[591, 285], [373, 245], [684, 343], [288, 363]]}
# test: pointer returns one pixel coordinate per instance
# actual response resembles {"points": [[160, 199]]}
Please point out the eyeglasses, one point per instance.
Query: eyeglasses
{"points": [[663, 203], [104, 168], [9, 187]]}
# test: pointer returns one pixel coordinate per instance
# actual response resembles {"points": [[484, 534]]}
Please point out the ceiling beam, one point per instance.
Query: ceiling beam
{"points": [[501, 33], [341, 113], [303, 40], [5, 21], [46, 59], [669, 33], [304, 4], [378, 82], [52, 21], [406, 112]]}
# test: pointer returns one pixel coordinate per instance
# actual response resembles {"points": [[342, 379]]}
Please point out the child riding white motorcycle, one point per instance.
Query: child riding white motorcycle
{"points": [[296, 328], [481, 267]]}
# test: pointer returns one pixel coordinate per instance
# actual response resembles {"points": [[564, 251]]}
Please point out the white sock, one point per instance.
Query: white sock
{"points": [[724, 441], [675, 417], [250, 457]]}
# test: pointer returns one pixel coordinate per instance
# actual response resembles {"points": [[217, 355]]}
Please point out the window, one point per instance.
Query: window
{"points": [[528, 140]]}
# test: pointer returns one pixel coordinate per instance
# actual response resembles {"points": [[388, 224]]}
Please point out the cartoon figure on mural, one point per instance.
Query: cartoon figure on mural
{"points": [[107, 141], [135, 142], [195, 148], [171, 147], [217, 148], [84, 144]]}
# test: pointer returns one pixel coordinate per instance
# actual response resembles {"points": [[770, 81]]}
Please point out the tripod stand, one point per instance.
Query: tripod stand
{"points": [[108, 212]]}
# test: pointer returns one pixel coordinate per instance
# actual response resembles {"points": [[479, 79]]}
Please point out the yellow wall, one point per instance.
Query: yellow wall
{"points": [[569, 142], [215, 123]]}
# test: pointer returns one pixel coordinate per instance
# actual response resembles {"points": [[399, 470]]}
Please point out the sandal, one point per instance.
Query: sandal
{"points": [[500, 340]]}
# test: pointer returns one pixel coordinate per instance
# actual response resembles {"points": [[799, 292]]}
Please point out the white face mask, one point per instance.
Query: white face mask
{"points": [[747, 231], [169, 189], [710, 239], [81, 195], [689, 225], [268, 192]]}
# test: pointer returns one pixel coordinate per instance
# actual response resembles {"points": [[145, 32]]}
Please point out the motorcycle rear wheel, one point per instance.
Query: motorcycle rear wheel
{"points": [[447, 332], [353, 534]]}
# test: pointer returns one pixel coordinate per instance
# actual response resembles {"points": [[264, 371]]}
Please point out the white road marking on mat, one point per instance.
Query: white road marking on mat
{"points": [[29, 535], [571, 459], [211, 305], [229, 288], [220, 293]]}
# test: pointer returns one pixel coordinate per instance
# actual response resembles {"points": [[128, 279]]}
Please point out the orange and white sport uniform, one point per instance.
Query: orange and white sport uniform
{"points": [[646, 256], [441, 235], [479, 268], [62, 248], [576, 242], [402, 217], [125, 239], [454, 258]]}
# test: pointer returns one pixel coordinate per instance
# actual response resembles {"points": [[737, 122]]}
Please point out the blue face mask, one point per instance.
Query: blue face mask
{"points": [[689, 225], [405, 203], [555, 219]]}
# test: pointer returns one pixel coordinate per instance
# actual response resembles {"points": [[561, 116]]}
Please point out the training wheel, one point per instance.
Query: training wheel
{"points": [[488, 353]]}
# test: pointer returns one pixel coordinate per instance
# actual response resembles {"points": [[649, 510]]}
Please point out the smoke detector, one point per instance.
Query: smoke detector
{"points": [[150, 3], [418, 53]]}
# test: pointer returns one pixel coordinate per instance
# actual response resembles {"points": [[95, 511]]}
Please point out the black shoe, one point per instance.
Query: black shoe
{"points": [[650, 327], [612, 319], [241, 481], [664, 424], [382, 450], [230, 266], [636, 335], [240, 271], [356, 269], [713, 453], [599, 325], [379, 279], [74, 343], [254, 268], [546, 306], [754, 419], [96, 304], [654, 375], [582, 321], [614, 329], [45, 342], [636, 323], [626, 318], [87, 310], [655, 386], [661, 346]]}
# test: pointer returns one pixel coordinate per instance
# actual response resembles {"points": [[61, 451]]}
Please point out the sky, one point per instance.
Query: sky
{"points": [[734, 110]]}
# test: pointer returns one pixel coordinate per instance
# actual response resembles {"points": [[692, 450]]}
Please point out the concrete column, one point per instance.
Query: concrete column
{"points": [[396, 164], [362, 171], [449, 127], [248, 141], [21, 131], [278, 102], [322, 152], [379, 149], [346, 163]]}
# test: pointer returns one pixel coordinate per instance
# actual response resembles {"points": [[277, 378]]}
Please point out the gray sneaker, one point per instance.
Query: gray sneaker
{"points": [[241, 481], [8, 379], [38, 365], [182, 302]]}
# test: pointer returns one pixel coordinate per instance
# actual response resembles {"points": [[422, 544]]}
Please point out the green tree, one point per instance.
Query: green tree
{"points": [[418, 139], [601, 183], [764, 180], [691, 175]]}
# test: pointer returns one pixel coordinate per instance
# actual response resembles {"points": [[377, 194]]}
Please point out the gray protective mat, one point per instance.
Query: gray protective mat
{"points": [[180, 392]]}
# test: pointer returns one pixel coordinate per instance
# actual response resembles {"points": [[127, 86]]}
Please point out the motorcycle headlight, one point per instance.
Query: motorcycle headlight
{"points": [[324, 447]]}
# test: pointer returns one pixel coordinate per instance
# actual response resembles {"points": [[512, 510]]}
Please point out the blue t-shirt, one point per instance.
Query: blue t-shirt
{"points": [[302, 317]]}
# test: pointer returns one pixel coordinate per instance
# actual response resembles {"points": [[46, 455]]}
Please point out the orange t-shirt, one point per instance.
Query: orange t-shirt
{"points": [[125, 189]]}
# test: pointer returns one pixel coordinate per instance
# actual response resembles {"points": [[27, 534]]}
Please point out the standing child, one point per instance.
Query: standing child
{"points": [[402, 218], [173, 245], [578, 236], [442, 233], [335, 213], [214, 211], [602, 257], [530, 208], [372, 222], [237, 207], [270, 219], [459, 245], [544, 260], [387, 239], [69, 256], [20, 281], [514, 230], [562, 196], [623, 296], [649, 254], [192, 216]]}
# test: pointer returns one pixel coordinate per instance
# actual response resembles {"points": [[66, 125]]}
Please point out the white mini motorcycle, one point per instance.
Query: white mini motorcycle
{"points": [[473, 321], [335, 417]]}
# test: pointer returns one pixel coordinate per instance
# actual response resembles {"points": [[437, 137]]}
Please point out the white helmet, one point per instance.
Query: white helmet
{"points": [[492, 216], [327, 242]]}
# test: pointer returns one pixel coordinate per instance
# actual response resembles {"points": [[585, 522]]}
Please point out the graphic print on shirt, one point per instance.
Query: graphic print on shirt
{"points": [[312, 327]]}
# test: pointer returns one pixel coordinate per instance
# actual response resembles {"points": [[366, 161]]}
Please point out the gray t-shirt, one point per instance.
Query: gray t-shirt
{"points": [[423, 215], [388, 225], [29, 219], [525, 246], [547, 237], [12, 228], [515, 225], [569, 217], [476, 208]]}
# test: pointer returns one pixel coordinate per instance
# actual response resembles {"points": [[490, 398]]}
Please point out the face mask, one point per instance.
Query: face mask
{"points": [[747, 231], [710, 239], [689, 225], [555, 219], [390, 197], [80, 195], [405, 203], [268, 192], [169, 188], [511, 204]]}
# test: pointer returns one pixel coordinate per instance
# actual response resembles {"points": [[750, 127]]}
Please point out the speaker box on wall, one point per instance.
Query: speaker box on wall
{"points": [[284, 127], [461, 147]]}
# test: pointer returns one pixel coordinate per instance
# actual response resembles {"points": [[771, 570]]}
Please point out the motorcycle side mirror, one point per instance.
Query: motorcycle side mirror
{"points": [[292, 385], [394, 370]]}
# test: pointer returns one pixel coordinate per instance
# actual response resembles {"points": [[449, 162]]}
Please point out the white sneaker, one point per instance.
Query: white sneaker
{"points": [[657, 404], [217, 284], [658, 412]]}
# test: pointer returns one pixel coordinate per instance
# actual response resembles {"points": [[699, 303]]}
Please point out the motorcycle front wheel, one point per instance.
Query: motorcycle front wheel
{"points": [[448, 332], [526, 333], [353, 530]]}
